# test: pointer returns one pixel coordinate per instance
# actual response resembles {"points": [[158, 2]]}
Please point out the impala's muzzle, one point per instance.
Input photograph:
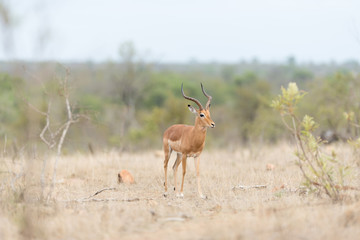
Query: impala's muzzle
{"points": [[212, 125]]}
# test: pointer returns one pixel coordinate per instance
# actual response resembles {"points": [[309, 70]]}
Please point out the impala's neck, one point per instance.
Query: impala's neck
{"points": [[199, 126]]}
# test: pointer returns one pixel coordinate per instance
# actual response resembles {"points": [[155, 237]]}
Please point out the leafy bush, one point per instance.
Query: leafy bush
{"points": [[321, 172]]}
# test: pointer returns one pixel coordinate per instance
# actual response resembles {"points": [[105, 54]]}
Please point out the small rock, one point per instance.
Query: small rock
{"points": [[125, 177]]}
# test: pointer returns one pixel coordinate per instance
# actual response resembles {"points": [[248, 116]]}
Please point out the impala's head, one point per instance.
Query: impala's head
{"points": [[203, 114]]}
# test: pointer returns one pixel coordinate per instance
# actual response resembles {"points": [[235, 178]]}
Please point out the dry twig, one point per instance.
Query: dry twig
{"points": [[109, 200], [98, 192], [242, 187], [91, 199]]}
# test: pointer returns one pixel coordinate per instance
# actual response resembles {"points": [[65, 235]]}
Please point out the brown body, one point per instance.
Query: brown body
{"points": [[187, 141]]}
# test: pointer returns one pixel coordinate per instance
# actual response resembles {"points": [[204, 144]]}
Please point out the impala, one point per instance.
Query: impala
{"points": [[188, 141]]}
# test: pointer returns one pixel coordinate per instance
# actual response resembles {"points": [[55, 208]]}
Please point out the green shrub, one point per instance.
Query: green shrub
{"points": [[321, 172]]}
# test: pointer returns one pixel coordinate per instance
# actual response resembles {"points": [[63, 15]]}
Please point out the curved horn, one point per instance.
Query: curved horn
{"points": [[208, 97], [191, 99]]}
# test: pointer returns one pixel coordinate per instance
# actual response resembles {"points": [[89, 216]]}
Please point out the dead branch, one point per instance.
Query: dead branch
{"points": [[98, 192], [242, 187], [51, 143], [49, 137], [70, 120], [111, 200], [33, 107], [91, 199]]}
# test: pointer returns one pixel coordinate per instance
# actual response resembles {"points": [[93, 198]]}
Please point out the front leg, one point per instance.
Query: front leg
{"points": [[183, 174], [197, 166]]}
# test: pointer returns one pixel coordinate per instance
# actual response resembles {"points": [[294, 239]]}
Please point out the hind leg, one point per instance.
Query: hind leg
{"points": [[175, 167], [167, 154]]}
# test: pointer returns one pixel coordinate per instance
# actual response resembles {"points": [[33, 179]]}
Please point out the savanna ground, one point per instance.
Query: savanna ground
{"points": [[281, 210]]}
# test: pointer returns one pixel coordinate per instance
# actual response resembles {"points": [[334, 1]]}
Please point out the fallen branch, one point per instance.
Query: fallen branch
{"points": [[242, 187], [109, 200], [98, 192], [91, 199]]}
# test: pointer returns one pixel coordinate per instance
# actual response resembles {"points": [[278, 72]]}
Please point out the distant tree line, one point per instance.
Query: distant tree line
{"points": [[131, 102]]}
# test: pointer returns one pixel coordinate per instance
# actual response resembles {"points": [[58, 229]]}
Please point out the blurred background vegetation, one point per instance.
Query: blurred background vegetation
{"points": [[131, 102]]}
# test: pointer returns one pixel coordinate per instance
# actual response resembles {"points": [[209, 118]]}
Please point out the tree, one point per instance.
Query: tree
{"points": [[55, 138]]}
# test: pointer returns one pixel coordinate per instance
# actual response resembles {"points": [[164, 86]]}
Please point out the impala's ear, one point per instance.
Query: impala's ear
{"points": [[193, 110]]}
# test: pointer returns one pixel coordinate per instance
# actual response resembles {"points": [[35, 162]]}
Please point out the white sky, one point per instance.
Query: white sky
{"points": [[169, 30]]}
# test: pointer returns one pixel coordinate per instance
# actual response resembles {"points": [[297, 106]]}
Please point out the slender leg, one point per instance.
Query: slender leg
{"points": [[197, 164], [167, 153], [177, 161], [175, 167], [183, 175]]}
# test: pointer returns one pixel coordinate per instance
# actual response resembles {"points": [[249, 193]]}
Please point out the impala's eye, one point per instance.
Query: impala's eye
{"points": [[202, 115]]}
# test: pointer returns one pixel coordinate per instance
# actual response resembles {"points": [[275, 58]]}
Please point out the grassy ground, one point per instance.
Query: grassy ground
{"points": [[280, 211]]}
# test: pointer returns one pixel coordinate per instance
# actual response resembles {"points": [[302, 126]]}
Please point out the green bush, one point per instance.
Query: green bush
{"points": [[321, 172]]}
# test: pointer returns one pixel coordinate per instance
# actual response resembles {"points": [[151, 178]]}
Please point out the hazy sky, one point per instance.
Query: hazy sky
{"points": [[169, 30]]}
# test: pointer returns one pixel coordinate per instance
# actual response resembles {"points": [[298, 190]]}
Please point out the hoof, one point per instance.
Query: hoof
{"points": [[180, 195], [165, 194]]}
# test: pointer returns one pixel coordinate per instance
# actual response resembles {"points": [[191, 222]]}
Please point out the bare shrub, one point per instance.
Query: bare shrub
{"points": [[54, 139]]}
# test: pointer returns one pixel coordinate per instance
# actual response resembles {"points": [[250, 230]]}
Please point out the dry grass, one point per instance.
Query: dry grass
{"points": [[139, 211]]}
